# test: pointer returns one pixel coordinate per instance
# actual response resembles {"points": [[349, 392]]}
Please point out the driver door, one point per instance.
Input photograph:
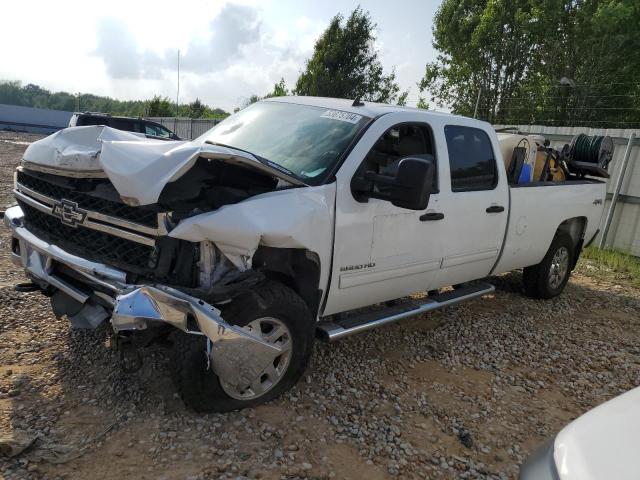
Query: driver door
{"points": [[381, 251]]}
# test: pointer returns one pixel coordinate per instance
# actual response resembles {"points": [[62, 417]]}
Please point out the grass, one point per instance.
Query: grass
{"points": [[623, 266]]}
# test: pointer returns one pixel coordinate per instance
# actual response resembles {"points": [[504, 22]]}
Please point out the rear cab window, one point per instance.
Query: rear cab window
{"points": [[471, 159]]}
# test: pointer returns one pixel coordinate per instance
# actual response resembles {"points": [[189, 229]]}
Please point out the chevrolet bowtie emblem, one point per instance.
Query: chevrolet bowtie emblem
{"points": [[69, 213]]}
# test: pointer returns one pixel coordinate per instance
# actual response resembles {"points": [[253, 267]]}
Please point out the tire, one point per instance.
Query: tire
{"points": [[548, 278], [202, 390]]}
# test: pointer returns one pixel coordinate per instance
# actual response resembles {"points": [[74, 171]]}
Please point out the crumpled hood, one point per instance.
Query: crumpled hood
{"points": [[138, 167]]}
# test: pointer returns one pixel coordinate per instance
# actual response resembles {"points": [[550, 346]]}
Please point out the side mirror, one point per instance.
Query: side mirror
{"points": [[406, 184], [412, 185]]}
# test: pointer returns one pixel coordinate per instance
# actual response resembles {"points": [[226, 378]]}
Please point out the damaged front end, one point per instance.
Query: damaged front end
{"points": [[150, 235], [90, 292]]}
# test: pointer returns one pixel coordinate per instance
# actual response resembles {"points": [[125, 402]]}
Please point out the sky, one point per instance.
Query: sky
{"points": [[229, 49]]}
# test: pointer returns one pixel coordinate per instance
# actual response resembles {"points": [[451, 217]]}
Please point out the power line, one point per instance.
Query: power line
{"points": [[579, 97], [593, 84], [520, 107], [536, 121]]}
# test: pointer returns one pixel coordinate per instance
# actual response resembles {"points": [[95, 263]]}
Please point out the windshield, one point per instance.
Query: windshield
{"points": [[305, 140]]}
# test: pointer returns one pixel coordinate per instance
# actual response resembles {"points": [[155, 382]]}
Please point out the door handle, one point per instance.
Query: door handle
{"points": [[495, 209], [427, 217]]}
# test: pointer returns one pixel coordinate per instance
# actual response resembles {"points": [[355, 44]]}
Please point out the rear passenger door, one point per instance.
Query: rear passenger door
{"points": [[475, 205]]}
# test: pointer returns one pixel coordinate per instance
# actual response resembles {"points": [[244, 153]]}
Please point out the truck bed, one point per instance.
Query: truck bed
{"points": [[536, 211]]}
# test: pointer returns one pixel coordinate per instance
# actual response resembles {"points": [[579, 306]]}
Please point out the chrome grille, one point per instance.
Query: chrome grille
{"points": [[87, 243], [85, 226], [88, 202]]}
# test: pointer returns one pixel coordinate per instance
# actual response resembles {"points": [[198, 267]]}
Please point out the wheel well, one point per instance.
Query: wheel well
{"points": [[575, 227], [299, 269]]}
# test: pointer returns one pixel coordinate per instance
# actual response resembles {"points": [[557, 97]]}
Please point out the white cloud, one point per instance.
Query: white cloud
{"points": [[230, 49], [235, 27], [235, 56], [118, 48]]}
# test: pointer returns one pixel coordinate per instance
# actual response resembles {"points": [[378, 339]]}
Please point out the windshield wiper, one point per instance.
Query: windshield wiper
{"points": [[262, 160]]}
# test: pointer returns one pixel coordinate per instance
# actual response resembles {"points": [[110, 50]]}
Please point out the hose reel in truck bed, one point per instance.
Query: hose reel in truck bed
{"points": [[529, 158], [585, 155], [590, 155]]}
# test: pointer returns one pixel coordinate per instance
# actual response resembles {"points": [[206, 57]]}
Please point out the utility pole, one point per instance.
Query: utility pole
{"points": [[178, 92], [475, 111]]}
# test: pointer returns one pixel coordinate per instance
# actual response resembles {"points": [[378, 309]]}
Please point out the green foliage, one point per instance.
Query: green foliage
{"points": [[402, 99], [279, 89], [160, 107], [422, 103], [248, 101], [617, 265], [484, 44], [518, 51], [345, 63], [13, 93]]}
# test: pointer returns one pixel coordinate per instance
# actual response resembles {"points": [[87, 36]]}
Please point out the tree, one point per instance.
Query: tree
{"points": [[402, 99], [422, 103], [483, 45], [248, 101], [514, 53], [13, 93], [279, 89], [345, 63], [197, 109], [160, 107], [587, 71]]}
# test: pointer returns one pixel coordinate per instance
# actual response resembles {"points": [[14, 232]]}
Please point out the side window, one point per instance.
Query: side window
{"points": [[471, 159], [85, 120], [123, 124], [400, 141], [164, 132], [156, 130]]}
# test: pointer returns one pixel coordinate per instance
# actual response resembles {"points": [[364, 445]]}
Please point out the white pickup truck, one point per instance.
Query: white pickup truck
{"points": [[281, 223]]}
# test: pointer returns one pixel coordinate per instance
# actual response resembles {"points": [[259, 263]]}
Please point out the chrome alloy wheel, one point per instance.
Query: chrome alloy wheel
{"points": [[274, 332], [559, 267]]}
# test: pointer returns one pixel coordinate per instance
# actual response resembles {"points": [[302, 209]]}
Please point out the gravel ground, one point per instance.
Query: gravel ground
{"points": [[467, 392]]}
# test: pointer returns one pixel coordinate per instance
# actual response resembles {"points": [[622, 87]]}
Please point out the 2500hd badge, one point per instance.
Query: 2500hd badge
{"points": [[357, 267]]}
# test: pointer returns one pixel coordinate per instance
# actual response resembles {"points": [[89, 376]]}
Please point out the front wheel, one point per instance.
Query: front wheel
{"points": [[280, 317], [548, 278]]}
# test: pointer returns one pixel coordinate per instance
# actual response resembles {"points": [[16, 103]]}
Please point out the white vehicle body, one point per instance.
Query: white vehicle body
{"points": [[602, 443], [366, 251]]}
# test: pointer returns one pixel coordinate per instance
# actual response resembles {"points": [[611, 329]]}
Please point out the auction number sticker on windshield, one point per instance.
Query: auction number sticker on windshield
{"points": [[342, 116]]}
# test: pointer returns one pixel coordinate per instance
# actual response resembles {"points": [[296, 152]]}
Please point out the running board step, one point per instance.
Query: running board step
{"points": [[336, 329]]}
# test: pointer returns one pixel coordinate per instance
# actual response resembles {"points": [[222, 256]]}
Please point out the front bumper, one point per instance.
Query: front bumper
{"points": [[237, 356]]}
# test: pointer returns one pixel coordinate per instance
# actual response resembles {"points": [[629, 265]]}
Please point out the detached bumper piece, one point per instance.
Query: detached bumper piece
{"points": [[88, 293]]}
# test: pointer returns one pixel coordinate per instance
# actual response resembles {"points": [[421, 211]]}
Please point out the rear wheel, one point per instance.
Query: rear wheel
{"points": [[280, 317], [548, 278]]}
